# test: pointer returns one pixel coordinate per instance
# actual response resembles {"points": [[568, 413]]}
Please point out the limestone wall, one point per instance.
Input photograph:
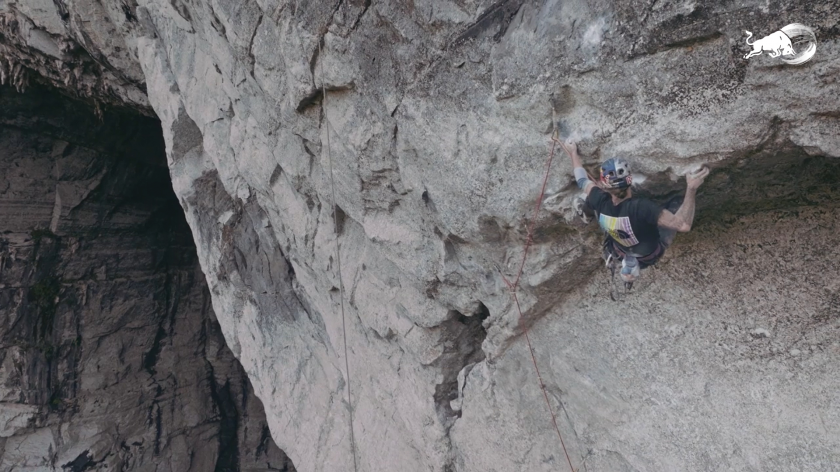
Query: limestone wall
{"points": [[439, 115]]}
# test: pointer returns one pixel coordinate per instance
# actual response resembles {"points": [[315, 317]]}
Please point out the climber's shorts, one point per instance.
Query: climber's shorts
{"points": [[644, 261]]}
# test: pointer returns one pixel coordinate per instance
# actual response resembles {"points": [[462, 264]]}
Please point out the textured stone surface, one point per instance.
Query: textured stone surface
{"points": [[79, 46], [722, 359], [438, 114], [112, 358]]}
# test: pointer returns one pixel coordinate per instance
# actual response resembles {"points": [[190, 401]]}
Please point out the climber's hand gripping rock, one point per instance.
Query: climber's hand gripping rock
{"points": [[693, 181]]}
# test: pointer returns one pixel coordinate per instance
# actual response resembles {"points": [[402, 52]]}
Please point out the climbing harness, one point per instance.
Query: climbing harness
{"points": [[613, 256], [338, 260], [512, 286], [616, 294]]}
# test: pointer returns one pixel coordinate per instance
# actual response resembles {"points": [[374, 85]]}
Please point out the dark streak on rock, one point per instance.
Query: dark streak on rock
{"points": [[182, 10], [692, 41], [264, 437], [340, 218], [498, 16], [362, 14], [158, 421], [251, 58], [130, 16], [151, 357], [218, 25], [228, 458], [316, 95], [80, 464], [313, 98], [463, 336], [278, 171]]}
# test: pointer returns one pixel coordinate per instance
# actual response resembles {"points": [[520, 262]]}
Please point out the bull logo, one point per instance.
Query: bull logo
{"points": [[777, 44], [796, 43]]}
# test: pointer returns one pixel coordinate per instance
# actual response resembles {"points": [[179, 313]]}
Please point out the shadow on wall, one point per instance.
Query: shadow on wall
{"points": [[112, 356], [775, 177]]}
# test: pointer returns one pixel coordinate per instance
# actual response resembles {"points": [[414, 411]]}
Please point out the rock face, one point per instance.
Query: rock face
{"points": [[431, 142], [112, 357], [78, 46]]}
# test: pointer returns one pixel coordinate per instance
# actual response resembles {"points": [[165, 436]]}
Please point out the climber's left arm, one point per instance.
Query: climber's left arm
{"points": [[580, 174]]}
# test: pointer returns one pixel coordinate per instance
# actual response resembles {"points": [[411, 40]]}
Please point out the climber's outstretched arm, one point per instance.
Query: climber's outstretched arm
{"points": [[684, 218], [674, 222], [580, 174]]}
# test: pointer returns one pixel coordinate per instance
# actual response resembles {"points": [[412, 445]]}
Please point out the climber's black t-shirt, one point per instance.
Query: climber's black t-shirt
{"points": [[632, 223]]}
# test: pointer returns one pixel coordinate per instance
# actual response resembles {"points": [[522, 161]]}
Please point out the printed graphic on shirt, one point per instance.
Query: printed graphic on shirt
{"points": [[619, 229]]}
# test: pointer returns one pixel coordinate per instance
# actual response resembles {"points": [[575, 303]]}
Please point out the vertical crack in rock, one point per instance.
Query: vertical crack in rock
{"points": [[313, 58], [330, 20], [150, 358], [252, 61], [156, 419], [228, 456], [365, 7], [169, 302], [34, 328]]}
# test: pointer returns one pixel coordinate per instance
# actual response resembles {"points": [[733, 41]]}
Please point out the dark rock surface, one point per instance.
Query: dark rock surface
{"points": [[112, 358]]}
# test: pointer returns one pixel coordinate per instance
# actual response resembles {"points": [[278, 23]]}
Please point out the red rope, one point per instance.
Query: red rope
{"points": [[513, 286], [529, 239]]}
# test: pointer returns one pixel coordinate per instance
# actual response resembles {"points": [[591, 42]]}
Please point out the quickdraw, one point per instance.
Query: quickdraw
{"points": [[616, 294], [612, 258]]}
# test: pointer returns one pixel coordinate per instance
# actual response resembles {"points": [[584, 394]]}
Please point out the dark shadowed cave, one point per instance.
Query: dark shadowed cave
{"points": [[112, 358]]}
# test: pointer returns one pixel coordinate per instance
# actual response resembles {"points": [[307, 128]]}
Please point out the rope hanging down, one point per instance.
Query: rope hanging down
{"points": [[513, 287], [338, 258]]}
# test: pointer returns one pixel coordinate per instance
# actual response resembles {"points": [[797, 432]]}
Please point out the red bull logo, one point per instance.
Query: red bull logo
{"points": [[795, 44]]}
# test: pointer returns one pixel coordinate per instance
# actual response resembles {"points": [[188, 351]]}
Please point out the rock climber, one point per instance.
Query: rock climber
{"points": [[638, 230]]}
